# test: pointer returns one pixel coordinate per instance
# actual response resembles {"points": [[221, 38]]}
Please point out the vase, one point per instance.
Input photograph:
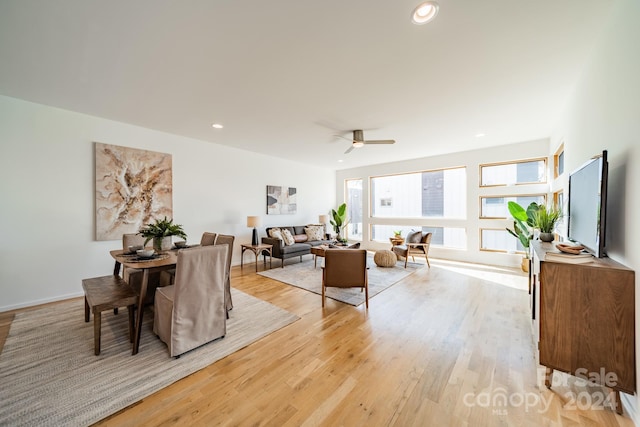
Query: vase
{"points": [[546, 237], [161, 244]]}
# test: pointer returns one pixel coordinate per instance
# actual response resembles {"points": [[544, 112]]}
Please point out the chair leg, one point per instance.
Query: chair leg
{"points": [[323, 294], [366, 296], [97, 318], [405, 261], [427, 258]]}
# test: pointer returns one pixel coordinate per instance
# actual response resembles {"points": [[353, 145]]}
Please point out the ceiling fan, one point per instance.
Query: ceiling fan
{"points": [[359, 141]]}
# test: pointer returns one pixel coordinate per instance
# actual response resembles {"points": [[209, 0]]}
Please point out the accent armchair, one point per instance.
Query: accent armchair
{"points": [[416, 243], [345, 268]]}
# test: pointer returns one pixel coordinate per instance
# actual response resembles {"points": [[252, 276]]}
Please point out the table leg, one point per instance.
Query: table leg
{"points": [[257, 253], [242, 258], [143, 294]]}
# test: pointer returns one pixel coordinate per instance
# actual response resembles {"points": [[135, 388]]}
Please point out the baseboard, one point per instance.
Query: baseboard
{"points": [[40, 302], [630, 405]]}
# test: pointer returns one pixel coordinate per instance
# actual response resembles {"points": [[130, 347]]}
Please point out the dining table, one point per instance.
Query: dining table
{"points": [[165, 260]]}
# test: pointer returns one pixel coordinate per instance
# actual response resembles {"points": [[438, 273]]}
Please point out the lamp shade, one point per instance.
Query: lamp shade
{"points": [[253, 221], [323, 219]]}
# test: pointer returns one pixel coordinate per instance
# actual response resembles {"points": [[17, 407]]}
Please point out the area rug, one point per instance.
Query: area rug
{"points": [[303, 275], [49, 375]]}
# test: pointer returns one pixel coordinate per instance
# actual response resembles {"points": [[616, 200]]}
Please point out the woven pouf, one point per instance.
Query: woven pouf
{"points": [[385, 258]]}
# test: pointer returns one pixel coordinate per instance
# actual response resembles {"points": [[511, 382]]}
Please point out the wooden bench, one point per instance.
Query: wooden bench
{"points": [[107, 293]]}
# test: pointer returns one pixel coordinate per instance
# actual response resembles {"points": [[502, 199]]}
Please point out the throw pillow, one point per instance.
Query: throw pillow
{"points": [[287, 237], [414, 237], [314, 232], [300, 238], [276, 233]]}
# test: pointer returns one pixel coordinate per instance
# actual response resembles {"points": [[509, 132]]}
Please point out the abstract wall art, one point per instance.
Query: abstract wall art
{"points": [[133, 188], [281, 200]]}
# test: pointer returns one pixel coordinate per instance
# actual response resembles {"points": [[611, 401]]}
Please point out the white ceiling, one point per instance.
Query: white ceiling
{"points": [[284, 76]]}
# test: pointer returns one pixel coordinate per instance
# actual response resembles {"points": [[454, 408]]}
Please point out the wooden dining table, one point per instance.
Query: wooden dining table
{"points": [[166, 261]]}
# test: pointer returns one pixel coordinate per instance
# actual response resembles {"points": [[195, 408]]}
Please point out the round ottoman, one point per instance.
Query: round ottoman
{"points": [[385, 258]]}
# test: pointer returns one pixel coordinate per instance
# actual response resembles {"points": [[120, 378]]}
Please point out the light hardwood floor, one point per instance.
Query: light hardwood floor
{"points": [[441, 347]]}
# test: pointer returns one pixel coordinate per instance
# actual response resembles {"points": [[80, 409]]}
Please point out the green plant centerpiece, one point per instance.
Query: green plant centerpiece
{"points": [[159, 231], [339, 221], [545, 219], [397, 233]]}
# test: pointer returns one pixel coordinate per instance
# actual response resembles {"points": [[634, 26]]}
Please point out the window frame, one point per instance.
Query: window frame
{"points": [[556, 161], [502, 251], [421, 218], [493, 196], [513, 162]]}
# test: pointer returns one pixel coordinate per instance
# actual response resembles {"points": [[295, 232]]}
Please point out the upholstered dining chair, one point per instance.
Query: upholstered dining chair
{"points": [[416, 243], [133, 276], [208, 238], [345, 269], [192, 312], [167, 277], [224, 239]]}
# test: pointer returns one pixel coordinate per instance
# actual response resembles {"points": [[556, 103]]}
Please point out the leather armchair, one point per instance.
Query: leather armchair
{"points": [[345, 268], [416, 243]]}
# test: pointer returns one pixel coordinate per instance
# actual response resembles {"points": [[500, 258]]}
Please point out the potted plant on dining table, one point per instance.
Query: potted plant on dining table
{"points": [[160, 232]]}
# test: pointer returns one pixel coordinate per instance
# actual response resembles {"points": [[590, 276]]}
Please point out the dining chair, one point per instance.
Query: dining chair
{"points": [[224, 239], [345, 269], [208, 238], [192, 312], [133, 276]]}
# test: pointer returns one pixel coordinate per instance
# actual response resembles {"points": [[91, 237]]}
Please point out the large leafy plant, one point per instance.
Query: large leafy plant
{"points": [[339, 218], [162, 228], [523, 222]]}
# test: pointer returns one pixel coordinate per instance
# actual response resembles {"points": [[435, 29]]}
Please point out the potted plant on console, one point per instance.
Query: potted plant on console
{"points": [[160, 232], [523, 225], [339, 221], [545, 219]]}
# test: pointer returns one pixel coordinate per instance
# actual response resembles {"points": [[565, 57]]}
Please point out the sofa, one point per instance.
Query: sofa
{"points": [[302, 243]]}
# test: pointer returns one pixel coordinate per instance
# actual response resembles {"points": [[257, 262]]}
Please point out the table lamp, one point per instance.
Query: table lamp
{"points": [[324, 219], [254, 221]]}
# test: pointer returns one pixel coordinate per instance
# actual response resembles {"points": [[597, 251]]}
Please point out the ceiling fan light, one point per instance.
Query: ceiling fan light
{"points": [[358, 144], [424, 12]]}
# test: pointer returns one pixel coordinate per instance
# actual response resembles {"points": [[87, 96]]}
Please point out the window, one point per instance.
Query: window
{"points": [[499, 240], [558, 162], [353, 190], [496, 206], [451, 237], [518, 172], [429, 194]]}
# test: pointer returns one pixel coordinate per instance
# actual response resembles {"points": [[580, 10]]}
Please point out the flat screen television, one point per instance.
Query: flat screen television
{"points": [[587, 210]]}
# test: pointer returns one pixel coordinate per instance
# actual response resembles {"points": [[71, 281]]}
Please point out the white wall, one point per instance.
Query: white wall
{"points": [[472, 223], [47, 188], [603, 114]]}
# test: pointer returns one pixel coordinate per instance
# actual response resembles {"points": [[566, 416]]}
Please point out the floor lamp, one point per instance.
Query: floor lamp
{"points": [[254, 221]]}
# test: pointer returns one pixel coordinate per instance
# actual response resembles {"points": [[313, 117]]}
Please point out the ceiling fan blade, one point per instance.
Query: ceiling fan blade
{"points": [[349, 150], [380, 141]]}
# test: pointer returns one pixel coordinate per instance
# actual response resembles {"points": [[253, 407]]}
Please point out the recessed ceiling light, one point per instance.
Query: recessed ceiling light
{"points": [[340, 161], [424, 12], [479, 135], [217, 126]]}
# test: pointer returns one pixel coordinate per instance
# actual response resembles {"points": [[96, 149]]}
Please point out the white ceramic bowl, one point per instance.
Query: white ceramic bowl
{"points": [[145, 253], [135, 248]]}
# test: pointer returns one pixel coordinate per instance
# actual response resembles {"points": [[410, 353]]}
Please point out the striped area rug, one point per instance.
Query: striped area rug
{"points": [[49, 375]]}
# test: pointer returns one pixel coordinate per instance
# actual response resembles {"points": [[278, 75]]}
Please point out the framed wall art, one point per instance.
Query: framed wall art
{"points": [[133, 188], [281, 200]]}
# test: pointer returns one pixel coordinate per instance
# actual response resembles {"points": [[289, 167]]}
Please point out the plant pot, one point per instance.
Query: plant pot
{"points": [[546, 237], [161, 244]]}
